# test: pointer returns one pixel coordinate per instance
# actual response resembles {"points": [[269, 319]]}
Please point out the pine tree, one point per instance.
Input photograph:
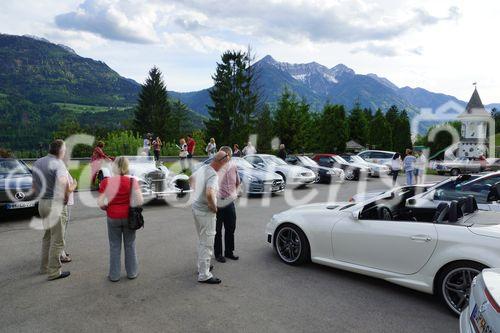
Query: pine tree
{"points": [[402, 137], [232, 114], [264, 129], [290, 121], [333, 131], [393, 118], [179, 123], [153, 112], [359, 129], [380, 132]]}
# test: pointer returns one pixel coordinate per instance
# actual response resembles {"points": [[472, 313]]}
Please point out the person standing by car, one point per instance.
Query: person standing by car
{"points": [[282, 152], [191, 145], [249, 149], [98, 156], [72, 184], [229, 182], [395, 167], [117, 194], [211, 148], [183, 153], [205, 184], [146, 144], [236, 150], [409, 166], [50, 184], [420, 166], [157, 148]]}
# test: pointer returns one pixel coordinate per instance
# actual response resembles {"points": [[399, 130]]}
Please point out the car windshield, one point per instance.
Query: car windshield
{"points": [[274, 160], [141, 159], [242, 163], [307, 161], [339, 159], [12, 167], [357, 159]]}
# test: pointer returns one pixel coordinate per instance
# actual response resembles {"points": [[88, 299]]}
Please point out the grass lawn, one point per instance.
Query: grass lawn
{"points": [[79, 108], [82, 175]]}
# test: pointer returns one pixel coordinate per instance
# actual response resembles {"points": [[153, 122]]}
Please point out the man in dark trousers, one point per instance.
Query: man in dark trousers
{"points": [[229, 182], [282, 152]]}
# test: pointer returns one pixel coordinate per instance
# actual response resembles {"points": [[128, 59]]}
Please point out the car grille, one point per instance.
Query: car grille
{"points": [[11, 195]]}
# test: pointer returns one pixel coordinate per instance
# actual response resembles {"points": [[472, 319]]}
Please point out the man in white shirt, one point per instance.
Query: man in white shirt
{"points": [[205, 185]]}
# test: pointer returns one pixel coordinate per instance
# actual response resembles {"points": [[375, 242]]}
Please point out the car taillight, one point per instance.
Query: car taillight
{"points": [[492, 301]]}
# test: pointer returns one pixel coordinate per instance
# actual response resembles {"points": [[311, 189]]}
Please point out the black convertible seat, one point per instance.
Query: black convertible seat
{"points": [[494, 193], [441, 212], [470, 205], [454, 212]]}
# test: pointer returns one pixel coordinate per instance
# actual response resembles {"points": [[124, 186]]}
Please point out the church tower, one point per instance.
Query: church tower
{"points": [[474, 134]]}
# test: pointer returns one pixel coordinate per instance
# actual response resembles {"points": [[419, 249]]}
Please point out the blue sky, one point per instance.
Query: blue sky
{"points": [[442, 46]]}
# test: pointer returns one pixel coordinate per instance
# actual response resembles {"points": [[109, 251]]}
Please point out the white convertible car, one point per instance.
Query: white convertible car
{"points": [[154, 181], [437, 251]]}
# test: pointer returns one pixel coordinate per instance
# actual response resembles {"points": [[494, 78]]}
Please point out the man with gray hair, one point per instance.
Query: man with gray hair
{"points": [[205, 185], [229, 182], [50, 183]]}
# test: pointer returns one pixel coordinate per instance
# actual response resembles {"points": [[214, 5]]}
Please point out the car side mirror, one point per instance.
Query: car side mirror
{"points": [[411, 202], [355, 215]]}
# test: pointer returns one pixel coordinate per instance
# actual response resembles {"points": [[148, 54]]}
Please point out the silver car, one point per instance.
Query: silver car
{"points": [[154, 181], [292, 175], [482, 315]]}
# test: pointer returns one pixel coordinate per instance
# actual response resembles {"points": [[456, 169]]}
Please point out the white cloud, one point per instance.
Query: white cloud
{"points": [[383, 50], [203, 44], [112, 19]]}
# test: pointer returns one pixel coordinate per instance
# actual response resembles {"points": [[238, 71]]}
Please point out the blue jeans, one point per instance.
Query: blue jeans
{"points": [[409, 177], [117, 228]]}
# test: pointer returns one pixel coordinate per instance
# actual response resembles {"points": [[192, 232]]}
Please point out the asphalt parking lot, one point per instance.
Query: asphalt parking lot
{"points": [[258, 293]]}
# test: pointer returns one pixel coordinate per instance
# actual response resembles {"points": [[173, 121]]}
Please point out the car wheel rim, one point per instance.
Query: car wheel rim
{"points": [[349, 174], [288, 244], [456, 287]]}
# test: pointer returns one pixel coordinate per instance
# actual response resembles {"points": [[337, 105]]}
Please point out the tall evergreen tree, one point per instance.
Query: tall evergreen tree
{"points": [[264, 129], [333, 129], [359, 128], [380, 132], [288, 122], [153, 110], [393, 118], [402, 133], [179, 124], [232, 114]]}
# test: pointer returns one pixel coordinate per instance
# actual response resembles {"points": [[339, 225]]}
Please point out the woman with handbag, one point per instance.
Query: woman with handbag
{"points": [[118, 197]]}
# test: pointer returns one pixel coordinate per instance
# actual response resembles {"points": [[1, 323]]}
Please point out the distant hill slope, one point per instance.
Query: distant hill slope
{"points": [[44, 72]]}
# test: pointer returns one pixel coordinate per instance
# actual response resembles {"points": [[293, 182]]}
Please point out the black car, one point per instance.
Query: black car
{"points": [[15, 187], [323, 174]]}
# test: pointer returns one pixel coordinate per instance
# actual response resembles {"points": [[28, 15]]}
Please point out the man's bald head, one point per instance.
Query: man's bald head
{"points": [[220, 159]]}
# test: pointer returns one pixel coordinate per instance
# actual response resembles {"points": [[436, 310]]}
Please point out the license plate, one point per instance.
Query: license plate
{"points": [[479, 323], [20, 205]]}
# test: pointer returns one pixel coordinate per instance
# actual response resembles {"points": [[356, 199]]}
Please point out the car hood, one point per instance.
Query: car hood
{"points": [[484, 224], [358, 165], [20, 182], [319, 206], [259, 173], [139, 170]]}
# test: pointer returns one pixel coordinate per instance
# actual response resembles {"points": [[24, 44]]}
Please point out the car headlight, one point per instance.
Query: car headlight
{"points": [[252, 179]]}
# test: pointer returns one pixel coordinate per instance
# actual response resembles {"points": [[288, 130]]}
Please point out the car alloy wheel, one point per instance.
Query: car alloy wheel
{"points": [[455, 287], [288, 244], [454, 172], [349, 174]]}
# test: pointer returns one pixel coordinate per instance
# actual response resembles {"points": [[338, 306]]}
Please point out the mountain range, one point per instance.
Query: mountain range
{"points": [[41, 71]]}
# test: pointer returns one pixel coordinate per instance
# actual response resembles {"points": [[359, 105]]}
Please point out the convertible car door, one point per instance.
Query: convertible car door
{"points": [[395, 246]]}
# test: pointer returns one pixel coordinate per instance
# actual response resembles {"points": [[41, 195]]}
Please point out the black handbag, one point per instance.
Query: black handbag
{"points": [[135, 218]]}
